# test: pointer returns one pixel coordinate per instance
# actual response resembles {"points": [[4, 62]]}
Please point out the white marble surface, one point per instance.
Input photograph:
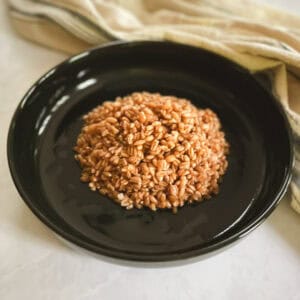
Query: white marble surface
{"points": [[34, 264]]}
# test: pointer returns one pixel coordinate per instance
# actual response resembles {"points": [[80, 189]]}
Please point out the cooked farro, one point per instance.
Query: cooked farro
{"points": [[149, 150]]}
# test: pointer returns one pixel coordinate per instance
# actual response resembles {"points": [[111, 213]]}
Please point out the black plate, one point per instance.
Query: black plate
{"points": [[45, 126]]}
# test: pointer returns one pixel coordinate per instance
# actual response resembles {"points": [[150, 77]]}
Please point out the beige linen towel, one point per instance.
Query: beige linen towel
{"points": [[258, 37]]}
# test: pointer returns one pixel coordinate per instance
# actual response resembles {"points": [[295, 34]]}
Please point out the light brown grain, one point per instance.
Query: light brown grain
{"points": [[149, 150]]}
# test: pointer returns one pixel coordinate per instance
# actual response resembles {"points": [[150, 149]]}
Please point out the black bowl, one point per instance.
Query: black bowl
{"points": [[47, 121]]}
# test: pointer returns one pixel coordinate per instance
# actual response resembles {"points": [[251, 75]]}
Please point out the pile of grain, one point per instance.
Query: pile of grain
{"points": [[149, 150]]}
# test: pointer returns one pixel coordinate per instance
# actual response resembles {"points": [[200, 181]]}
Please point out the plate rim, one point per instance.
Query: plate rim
{"points": [[138, 256]]}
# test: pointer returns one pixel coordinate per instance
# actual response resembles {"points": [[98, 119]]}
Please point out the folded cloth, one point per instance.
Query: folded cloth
{"points": [[258, 37]]}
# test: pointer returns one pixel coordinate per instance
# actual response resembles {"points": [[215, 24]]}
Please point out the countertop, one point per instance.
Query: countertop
{"points": [[35, 264]]}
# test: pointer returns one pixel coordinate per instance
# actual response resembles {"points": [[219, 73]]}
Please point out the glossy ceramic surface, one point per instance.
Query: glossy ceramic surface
{"points": [[48, 120]]}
